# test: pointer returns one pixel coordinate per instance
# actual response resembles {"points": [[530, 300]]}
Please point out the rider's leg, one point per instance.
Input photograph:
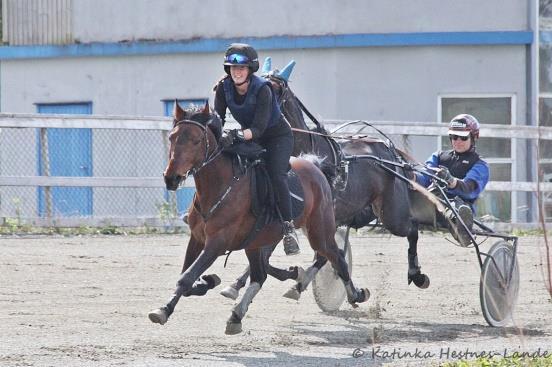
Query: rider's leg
{"points": [[453, 224], [278, 152], [466, 214]]}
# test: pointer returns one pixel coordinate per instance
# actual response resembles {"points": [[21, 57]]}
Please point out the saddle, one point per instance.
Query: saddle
{"points": [[248, 156]]}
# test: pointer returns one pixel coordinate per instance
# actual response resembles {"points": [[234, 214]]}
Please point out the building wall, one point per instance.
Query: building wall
{"points": [[371, 80], [113, 21], [379, 83]]}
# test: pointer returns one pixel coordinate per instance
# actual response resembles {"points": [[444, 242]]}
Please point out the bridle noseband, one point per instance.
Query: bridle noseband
{"points": [[209, 157]]}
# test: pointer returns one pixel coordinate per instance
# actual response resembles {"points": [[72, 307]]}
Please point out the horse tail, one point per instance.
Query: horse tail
{"points": [[327, 168]]}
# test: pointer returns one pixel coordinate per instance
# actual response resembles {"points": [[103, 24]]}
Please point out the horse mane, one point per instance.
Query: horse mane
{"points": [[407, 157], [322, 163], [197, 114]]}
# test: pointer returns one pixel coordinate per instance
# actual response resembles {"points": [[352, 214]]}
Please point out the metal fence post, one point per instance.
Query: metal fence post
{"points": [[46, 170]]}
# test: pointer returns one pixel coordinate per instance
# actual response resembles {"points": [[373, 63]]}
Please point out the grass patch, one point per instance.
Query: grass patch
{"points": [[514, 361], [15, 229]]}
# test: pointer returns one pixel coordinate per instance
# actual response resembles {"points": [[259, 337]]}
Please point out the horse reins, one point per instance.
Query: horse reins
{"points": [[208, 159], [351, 138]]}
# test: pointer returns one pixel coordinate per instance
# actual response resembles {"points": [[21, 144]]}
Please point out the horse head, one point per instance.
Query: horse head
{"points": [[193, 143]]}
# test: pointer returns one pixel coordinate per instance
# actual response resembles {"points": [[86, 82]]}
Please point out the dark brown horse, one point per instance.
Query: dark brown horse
{"points": [[370, 192], [367, 191], [221, 220]]}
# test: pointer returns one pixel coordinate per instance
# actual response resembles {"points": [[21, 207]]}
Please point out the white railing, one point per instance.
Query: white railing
{"points": [[164, 124]]}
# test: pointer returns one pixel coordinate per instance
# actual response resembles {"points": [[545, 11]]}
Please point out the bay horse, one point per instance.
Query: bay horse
{"points": [[220, 219], [368, 193]]}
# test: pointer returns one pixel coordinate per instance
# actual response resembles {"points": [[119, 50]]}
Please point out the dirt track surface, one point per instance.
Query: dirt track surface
{"points": [[83, 301]]}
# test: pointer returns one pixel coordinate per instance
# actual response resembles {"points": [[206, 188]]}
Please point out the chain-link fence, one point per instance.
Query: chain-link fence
{"points": [[117, 176], [80, 170]]}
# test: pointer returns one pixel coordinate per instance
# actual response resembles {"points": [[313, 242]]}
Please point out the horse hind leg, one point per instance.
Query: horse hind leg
{"points": [[328, 252], [354, 295], [337, 258], [305, 277], [415, 274], [258, 276], [232, 291]]}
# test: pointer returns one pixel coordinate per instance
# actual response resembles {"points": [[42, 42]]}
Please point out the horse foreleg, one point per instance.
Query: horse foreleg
{"points": [[232, 291], [257, 264], [185, 285], [414, 269]]}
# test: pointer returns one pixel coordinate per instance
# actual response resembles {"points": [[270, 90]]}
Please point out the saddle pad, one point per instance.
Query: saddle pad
{"points": [[264, 196]]}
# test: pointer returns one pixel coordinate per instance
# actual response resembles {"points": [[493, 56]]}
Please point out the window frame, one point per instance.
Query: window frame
{"points": [[543, 96], [513, 141]]}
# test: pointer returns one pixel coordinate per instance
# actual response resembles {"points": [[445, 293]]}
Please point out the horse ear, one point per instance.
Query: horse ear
{"points": [[178, 112], [206, 110]]}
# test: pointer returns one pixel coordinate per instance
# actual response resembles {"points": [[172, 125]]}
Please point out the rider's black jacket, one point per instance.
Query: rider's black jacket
{"points": [[257, 110]]}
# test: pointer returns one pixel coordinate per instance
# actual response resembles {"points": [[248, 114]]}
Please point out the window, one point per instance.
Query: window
{"points": [[493, 109], [545, 119], [184, 195]]}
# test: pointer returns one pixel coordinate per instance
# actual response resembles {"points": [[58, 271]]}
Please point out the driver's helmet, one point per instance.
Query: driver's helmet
{"points": [[241, 54], [464, 125]]}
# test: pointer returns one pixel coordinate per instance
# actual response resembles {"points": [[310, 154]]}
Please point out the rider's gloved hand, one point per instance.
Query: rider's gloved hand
{"points": [[232, 136], [238, 135], [227, 139], [444, 174]]}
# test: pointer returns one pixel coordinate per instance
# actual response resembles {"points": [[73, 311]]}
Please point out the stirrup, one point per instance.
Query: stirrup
{"points": [[291, 242]]}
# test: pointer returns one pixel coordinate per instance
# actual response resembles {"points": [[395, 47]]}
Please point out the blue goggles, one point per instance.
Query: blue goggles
{"points": [[237, 59]]}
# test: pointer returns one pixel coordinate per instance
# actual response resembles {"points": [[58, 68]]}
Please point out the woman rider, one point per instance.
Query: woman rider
{"points": [[253, 105]]}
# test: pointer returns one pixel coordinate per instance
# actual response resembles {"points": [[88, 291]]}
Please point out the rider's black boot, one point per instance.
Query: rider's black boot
{"points": [[291, 242], [458, 231]]}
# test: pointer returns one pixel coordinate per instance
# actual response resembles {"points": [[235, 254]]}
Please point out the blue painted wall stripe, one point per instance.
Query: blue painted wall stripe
{"points": [[268, 43]]}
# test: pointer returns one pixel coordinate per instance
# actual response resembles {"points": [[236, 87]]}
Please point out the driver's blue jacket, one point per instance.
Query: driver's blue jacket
{"points": [[471, 171]]}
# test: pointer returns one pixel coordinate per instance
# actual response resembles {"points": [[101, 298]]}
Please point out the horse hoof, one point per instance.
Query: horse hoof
{"points": [[158, 316], [293, 293], [233, 328], [420, 280], [230, 292], [212, 280], [365, 296]]}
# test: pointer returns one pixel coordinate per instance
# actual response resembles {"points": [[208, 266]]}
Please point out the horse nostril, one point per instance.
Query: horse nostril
{"points": [[172, 182]]}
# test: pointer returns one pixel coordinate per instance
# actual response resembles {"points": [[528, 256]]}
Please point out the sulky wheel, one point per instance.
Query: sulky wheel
{"points": [[499, 285], [327, 287]]}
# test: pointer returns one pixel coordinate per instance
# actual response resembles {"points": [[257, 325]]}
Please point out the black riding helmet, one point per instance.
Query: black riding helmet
{"points": [[241, 54]]}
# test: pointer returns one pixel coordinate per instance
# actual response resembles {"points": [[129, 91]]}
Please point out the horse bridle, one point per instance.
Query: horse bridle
{"points": [[209, 157]]}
